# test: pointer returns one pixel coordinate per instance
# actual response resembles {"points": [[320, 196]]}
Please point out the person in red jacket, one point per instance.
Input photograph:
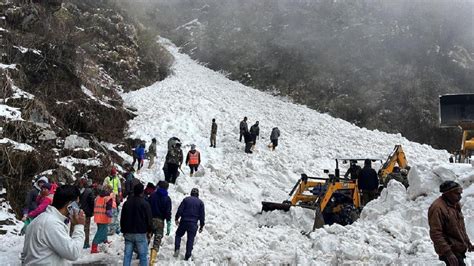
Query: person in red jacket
{"points": [[44, 199], [193, 159]]}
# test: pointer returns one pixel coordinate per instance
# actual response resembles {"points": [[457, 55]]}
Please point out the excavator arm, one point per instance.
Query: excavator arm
{"points": [[397, 157]]}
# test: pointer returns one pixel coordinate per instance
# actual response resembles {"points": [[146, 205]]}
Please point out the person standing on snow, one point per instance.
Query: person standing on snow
{"points": [[136, 222], [190, 211], [47, 240], [139, 155], [243, 128], [161, 210], [130, 182], [30, 200], [103, 213], [368, 182], [173, 161], [248, 142], [447, 228], [114, 182], [354, 170], [86, 202], [152, 152], [193, 159], [43, 200], [274, 137], [213, 133], [255, 132]]}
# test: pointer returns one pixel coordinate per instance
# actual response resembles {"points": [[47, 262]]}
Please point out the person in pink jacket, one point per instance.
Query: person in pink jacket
{"points": [[44, 199]]}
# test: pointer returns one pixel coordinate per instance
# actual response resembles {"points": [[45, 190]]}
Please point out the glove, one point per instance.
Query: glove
{"points": [[452, 260], [168, 227]]}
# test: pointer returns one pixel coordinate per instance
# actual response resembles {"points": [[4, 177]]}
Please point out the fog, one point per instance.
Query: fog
{"points": [[378, 64]]}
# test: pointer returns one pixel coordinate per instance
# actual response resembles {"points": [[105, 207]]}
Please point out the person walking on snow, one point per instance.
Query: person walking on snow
{"points": [[152, 152], [161, 210], [255, 132], [193, 159], [139, 156], [190, 211], [447, 228], [274, 137], [136, 222], [173, 161], [86, 202], [47, 240], [104, 204], [248, 142], [213, 133], [243, 128]]}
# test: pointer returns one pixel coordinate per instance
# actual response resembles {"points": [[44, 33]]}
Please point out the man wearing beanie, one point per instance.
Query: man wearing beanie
{"points": [[447, 229]]}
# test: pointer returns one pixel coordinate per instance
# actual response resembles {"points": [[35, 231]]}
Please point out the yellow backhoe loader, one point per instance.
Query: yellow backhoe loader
{"points": [[334, 199], [395, 167]]}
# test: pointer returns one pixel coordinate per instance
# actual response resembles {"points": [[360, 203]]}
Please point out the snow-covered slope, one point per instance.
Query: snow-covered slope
{"points": [[392, 229]]}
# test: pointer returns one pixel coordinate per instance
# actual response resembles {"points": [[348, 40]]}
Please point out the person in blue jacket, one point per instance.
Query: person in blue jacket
{"points": [[190, 211], [161, 210], [139, 155]]}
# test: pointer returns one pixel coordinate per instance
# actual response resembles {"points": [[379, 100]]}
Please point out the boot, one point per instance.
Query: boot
{"points": [[191, 175], [94, 249], [176, 253], [153, 254]]}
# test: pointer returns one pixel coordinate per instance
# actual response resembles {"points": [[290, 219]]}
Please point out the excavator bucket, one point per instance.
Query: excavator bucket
{"points": [[271, 206], [318, 219], [456, 110]]}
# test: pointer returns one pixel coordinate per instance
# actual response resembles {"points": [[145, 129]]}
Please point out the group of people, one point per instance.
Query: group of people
{"points": [[59, 227], [251, 135], [367, 179]]}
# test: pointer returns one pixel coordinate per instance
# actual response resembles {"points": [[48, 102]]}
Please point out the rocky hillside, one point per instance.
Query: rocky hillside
{"points": [[63, 65]]}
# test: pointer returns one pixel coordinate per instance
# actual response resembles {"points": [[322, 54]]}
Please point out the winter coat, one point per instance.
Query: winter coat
{"points": [[152, 149], [140, 152], [447, 229], [86, 201], [114, 183], [214, 128], [190, 160], [191, 210], [174, 156], [130, 184], [43, 202], [30, 200], [243, 127], [275, 134], [368, 179], [353, 172], [161, 204], [255, 131], [248, 137], [136, 216], [47, 240]]}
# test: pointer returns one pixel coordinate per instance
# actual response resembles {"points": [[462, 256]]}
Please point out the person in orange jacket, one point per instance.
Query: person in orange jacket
{"points": [[193, 159], [103, 207]]}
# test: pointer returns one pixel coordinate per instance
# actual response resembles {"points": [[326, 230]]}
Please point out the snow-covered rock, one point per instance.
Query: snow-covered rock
{"points": [[74, 141]]}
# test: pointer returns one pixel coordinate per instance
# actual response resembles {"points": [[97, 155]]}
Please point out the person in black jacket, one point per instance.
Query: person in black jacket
{"points": [[130, 182], [136, 222], [255, 132], [368, 182], [190, 211], [161, 210], [248, 142], [86, 202]]}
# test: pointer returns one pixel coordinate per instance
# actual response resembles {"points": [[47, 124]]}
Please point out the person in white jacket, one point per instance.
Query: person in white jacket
{"points": [[47, 240]]}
